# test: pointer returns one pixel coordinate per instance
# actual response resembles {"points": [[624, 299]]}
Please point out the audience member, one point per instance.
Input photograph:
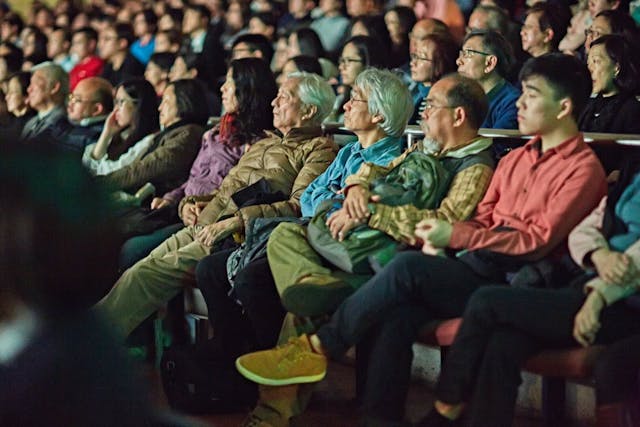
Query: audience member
{"points": [[87, 108], [144, 28], [433, 57], [332, 27], [83, 45], [114, 43], [486, 57], [168, 41], [252, 45], [246, 94], [58, 48], [304, 63], [128, 130], [399, 20], [47, 93], [158, 68], [17, 104], [544, 26]]}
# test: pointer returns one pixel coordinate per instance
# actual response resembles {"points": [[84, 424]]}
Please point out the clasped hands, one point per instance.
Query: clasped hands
{"points": [[354, 211], [434, 234]]}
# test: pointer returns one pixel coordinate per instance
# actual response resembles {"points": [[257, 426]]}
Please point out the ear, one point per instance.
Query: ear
{"points": [[98, 109], [308, 112], [193, 73], [377, 118], [123, 44], [459, 116], [491, 62], [258, 54], [548, 35], [55, 88], [566, 108]]}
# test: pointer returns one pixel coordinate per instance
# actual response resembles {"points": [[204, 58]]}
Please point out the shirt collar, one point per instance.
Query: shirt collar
{"points": [[377, 149], [565, 149], [88, 121], [496, 89], [298, 134]]}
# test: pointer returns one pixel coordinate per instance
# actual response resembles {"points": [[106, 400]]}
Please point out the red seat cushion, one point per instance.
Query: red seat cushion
{"points": [[566, 363]]}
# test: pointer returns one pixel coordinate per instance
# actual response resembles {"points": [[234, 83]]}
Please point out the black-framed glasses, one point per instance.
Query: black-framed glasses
{"points": [[344, 60], [468, 53], [352, 99], [416, 57], [120, 102]]}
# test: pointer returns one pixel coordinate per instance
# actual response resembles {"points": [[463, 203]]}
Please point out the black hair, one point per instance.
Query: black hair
{"points": [[553, 16], [494, 43], [497, 20], [89, 33], [143, 123], [566, 75], [40, 49], [124, 31], [164, 60], [468, 94], [307, 63], [66, 34], [309, 43], [14, 20], [175, 14], [256, 42], [621, 23], [24, 78], [376, 28], [406, 16], [267, 18], [255, 89], [13, 58], [370, 51], [174, 36], [201, 9], [622, 53], [191, 105], [150, 18]]}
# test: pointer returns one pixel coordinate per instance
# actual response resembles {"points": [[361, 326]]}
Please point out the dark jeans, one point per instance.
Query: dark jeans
{"points": [[139, 247], [258, 320], [388, 312], [504, 326]]}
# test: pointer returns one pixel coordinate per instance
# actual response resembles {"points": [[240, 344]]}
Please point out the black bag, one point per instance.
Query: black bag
{"points": [[196, 383]]}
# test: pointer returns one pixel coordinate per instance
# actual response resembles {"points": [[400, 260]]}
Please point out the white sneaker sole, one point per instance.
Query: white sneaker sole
{"points": [[275, 382]]}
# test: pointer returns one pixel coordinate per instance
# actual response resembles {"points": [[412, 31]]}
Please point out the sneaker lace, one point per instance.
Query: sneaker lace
{"points": [[294, 352]]}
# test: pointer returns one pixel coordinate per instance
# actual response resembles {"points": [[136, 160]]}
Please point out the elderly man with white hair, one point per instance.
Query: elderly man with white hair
{"points": [[287, 163], [47, 91]]}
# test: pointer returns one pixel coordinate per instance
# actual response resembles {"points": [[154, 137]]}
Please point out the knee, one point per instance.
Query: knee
{"points": [[482, 302], [284, 232]]}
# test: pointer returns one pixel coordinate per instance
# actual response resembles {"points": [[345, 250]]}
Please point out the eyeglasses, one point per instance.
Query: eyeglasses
{"points": [[343, 60], [73, 99], [594, 34], [416, 57], [352, 99], [120, 102], [429, 105], [468, 53]]}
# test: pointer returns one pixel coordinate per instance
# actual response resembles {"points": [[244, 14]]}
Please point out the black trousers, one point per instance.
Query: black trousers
{"points": [[257, 319], [504, 326]]}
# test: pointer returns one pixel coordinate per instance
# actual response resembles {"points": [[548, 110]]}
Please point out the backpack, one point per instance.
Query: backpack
{"points": [[196, 383], [420, 180]]}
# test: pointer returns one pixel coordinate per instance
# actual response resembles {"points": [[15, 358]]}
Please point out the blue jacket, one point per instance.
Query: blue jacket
{"points": [[502, 107]]}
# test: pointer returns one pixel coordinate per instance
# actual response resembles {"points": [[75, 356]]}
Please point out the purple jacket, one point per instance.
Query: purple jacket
{"points": [[213, 162]]}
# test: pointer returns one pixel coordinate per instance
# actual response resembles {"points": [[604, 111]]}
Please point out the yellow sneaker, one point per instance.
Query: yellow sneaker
{"points": [[292, 363]]}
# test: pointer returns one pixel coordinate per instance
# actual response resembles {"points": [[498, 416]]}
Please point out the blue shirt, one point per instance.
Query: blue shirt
{"points": [[143, 53], [503, 112], [347, 162]]}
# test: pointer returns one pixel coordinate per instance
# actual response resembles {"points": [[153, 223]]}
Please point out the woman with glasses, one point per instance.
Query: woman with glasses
{"points": [[128, 130], [358, 53], [610, 22], [614, 69], [434, 56]]}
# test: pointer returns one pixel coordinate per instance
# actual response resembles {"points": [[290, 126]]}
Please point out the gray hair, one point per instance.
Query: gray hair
{"points": [[55, 74], [314, 90], [387, 96]]}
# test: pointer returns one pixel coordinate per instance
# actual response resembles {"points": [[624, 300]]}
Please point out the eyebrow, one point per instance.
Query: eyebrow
{"points": [[531, 87]]}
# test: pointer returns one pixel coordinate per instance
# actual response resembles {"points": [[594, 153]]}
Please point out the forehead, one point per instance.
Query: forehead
{"points": [[598, 50], [290, 87], [532, 19], [474, 42], [39, 76], [440, 89], [83, 87], [425, 46], [600, 23], [538, 84], [78, 37], [350, 49]]}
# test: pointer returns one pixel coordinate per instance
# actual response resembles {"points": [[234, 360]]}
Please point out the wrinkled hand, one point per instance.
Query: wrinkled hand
{"points": [[586, 323], [159, 202], [615, 268], [435, 232], [191, 212], [340, 223], [212, 233], [356, 202]]}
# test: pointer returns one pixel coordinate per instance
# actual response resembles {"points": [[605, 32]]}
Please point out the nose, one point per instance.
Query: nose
{"points": [[459, 61], [519, 102]]}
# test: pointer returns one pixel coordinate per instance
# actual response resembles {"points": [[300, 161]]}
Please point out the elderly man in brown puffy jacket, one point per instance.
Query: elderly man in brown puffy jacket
{"points": [[288, 163]]}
